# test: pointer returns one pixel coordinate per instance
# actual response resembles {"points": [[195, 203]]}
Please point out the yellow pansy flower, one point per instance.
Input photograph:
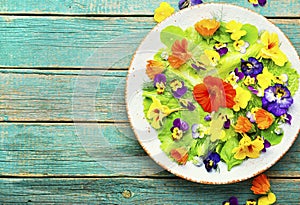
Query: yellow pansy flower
{"points": [[163, 11], [249, 80], [157, 112], [271, 48], [241, 99], [213, 57], [234, 28], [216, 131], [267, 200], [264, 79], [248, 148]]}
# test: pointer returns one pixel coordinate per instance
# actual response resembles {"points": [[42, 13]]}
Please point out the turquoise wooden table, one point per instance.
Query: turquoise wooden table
{"points": [[63, 66]]}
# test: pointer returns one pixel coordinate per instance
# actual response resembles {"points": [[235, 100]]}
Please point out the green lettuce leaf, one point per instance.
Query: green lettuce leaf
{"points": [[170, 34], [271, 136], [252, 33], [227, 155]]}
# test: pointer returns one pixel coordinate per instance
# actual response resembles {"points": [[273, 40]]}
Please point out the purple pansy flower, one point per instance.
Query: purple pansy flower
{"points": [[159, 82], [198, 66], [182, 125], [221, 48], [267, 144], [277, 99], [207, 117], [227, 123], [211, 161], [256, 3], [232, 201], [286, 118], [198, 131], [240, 75], [187, 104], [178, 88], [251, 67], [187, 3]]}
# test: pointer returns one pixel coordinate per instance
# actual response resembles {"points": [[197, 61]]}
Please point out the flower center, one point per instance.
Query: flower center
{"points": [[279, 93]]}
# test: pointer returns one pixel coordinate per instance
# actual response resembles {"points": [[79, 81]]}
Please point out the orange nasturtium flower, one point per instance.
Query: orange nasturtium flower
{"points": [[243, 125], [180, 53], [207, 27], [153, 68], [261, 184], [180, 155], [264, 119], [163, 11], [214, 93], [248, 148]]}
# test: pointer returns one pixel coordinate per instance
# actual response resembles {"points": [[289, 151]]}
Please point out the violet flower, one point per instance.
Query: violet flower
{"points": [[277, 99], [187, 3], [211, 161], [159, 82], [187, 104], [251, 67], [178, 88], [232, 201]]}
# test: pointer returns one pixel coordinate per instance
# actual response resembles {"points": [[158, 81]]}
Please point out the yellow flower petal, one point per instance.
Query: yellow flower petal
{"points": [[213, 57], [233, 26], [238, 34], [267, 200], [264, 79], [248, 148], [163, 11], [241, 99]]}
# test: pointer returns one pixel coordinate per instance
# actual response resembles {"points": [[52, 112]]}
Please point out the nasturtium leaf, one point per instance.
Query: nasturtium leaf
{"points": [[252, 33], [270, 135], [170, 34], [227, 155]]}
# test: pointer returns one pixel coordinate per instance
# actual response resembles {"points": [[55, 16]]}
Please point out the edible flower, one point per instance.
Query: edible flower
{"points": [[250, 202], [217, 123], [231, 201], [258, 2], [221, 48], [249, 80], [199, 131], [241, 99], [264, 119], [243, 125], [265, 79], [180, 155], [207, 27], [157, 112], [277, 99], [267, 144], [234, 28], [163, 11], [271, 49], [153, 68], [214, 93], [187, 104], [160, 83], [211, 161], [251, 67], [234, 77], [261, 184], [241, 46], [248, 148], [267, 200], [187, 3], [178, 88], [213, 56], [286, 118], [180, 53]]}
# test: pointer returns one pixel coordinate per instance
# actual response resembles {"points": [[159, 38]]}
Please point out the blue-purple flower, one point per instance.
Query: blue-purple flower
{"points": [[227, 123], [187, 3], [207, 117], [211, 161], [277, 99], [178, 88], [232, 201], [199, 131], [267, 144], [179, 127], [159, 82], [221, 48], [187, 104], [286, 118], [256, 3], [251, 67], [198, 66]]}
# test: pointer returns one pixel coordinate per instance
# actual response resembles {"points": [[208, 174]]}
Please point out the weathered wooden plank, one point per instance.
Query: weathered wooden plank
{"points": [[62, 96], [134, 191], [90, 149], [83, 42], [133, 7]]}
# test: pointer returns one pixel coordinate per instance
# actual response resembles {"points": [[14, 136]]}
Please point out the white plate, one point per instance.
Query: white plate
{"points": [[147, 136]]}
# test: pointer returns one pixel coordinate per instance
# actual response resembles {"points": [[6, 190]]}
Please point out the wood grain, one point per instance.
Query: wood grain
{"points": [[89, 42], [90, 149], [133, 7], [134, 191]]}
